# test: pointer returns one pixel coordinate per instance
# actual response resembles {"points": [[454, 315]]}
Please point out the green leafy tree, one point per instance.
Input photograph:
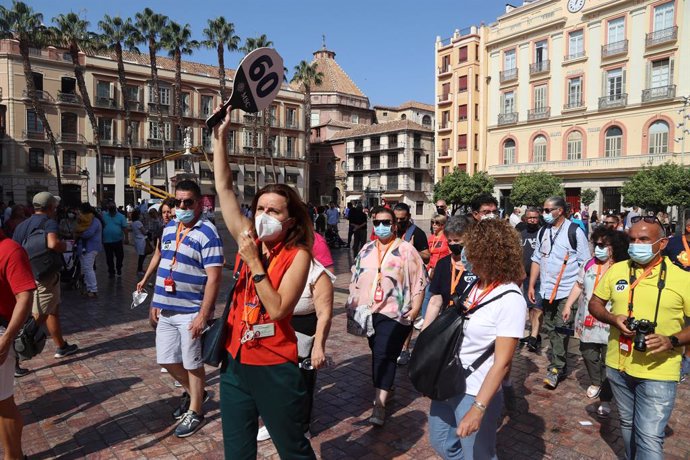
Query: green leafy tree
{"points": [[587, 196], [655, 188], [533, 188], [459, 188], [218, 35]]}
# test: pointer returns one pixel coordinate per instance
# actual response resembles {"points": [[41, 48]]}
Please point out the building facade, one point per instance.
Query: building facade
{"points": [[390, 161], [587, 90], [27, 154], [418, 112]]}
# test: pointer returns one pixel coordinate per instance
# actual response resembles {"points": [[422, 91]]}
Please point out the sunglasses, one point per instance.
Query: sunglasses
{"points": [[610, 222], [647, 219], [188, 203], [601, 244], [436, 223], [386, 222], [548, 210]]}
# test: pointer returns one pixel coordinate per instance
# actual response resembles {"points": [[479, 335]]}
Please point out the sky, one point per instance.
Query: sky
{"points": [[386, 46]]}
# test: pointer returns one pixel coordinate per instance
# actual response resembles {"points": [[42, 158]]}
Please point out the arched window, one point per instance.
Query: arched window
{"points": [[613, 142], [658, 138], [403, 117], [575, 145], [539, 149], [426, 120], [509, 152]]}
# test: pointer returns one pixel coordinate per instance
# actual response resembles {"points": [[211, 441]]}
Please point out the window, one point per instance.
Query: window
{"points": [[445, 170], [614, 84], [135, 131], [616, 31], [291, 179], [660, 73], [663, 16], [541, 51], [574, 146], [69, 162], [539, 149], [36, 163], [392, 181], [249, 140], [508, 105], [103, 89], [137, 160], [445, 91], [315, 118], [462, 83], [206, 105], [249, 191], [158, 132], [658, 138], [445, 66], [426, 120], [355, 118], [575, 92], [418, 182], [509, 60], [132, 93], [290, 146], [540, 98], [108, 162], [33, 123], [375, 162], [358, 183], [164, 96], [403, 117], [205, 138], [291, 118], [476, 112], [105, 129], [38, 81], [509, 152], [462, 112], [576, 44], [613, 142], [462, 141], [476, 141], [68, 125], [419, 208], [393, 158], [463, 54], [158, 170]]}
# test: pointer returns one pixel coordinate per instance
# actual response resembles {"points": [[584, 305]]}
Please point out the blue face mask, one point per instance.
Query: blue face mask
{"points": [[464, 261], [383, 231], [184, 215], [641, 252], [601, 253], [548, 218]]}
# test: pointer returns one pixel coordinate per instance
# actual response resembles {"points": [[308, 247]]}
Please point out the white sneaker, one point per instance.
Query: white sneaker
{"points": [[263, 434], [593, 391], [164, 370]]}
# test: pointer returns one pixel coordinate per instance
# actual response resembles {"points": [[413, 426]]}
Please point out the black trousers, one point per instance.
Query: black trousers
{"points": [[306, 324], [360, 237], [386, 345], [114, 251]]}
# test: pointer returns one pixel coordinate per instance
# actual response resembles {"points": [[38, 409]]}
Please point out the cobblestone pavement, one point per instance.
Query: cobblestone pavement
{"points": [[111, 400]]}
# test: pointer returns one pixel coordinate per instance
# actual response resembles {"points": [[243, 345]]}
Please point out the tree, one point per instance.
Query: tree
{"points": [[150, 26], [221, 34], [459, 188], [307, 75], [533, 188], [587, 196], [658, 187], [72, 33], [26, 26], [118, 35]]}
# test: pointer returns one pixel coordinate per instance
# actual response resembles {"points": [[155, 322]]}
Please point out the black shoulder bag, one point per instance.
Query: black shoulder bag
{"points": [[213, 340], [435, 369]]}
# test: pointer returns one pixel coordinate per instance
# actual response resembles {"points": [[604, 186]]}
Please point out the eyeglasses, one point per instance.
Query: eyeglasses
{"points": [[487, 211], [385, 222], [610, 222], [188, 203], [548, 210], [532, 218], [647, 219], [436, 223], [600, 244]]}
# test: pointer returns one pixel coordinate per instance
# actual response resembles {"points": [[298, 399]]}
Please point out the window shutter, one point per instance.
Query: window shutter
{"points": [[670, 71], [648, 75], [623, 88], [604, 89], [503, 103]]}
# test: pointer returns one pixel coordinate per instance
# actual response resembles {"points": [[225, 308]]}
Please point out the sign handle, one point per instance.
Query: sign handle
{"points": [[217, 117]]}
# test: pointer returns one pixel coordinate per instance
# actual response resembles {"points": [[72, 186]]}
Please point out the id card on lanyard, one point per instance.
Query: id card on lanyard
{"points": [[252, 307], [378, 289]]}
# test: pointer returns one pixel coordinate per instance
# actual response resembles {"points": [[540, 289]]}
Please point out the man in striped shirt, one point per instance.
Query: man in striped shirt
{"points": [[184, 299]]}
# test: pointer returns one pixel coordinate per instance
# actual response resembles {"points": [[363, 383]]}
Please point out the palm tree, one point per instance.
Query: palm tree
{"points": [[307, 75], [119, 35], [150, 26], [221, 34], [24, 25], [177, 40]]}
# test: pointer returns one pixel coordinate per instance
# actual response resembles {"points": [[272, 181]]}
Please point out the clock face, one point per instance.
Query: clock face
{"points": [[575, 5]]}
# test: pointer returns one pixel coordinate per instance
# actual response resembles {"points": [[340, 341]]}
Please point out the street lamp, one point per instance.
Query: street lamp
{"points": [[86, 174]]}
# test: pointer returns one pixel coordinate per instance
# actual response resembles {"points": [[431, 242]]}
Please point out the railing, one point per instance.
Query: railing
{"points": [[507, 118], [574, 104], [658, 94], [631, 162], [444, 69], [539, 67], [614, 49], [444, 98], [70, 169], [136, 106], [576, 55], [613, 101], [32, 167], [444, 125], [661, 36], [165, 109], [539, 114], [68, 98], [73, 138], [444, 152], [358, 166], [107, 102], [40, 95], [291, 124], [508, 75], [34, 135], [109, 142]]}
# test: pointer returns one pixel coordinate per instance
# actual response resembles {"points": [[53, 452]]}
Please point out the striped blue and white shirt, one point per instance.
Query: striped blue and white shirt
{"points": [[201, 248]]}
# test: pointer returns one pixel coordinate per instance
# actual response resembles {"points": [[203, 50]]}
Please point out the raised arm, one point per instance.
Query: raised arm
{"points": [[229, 206]]}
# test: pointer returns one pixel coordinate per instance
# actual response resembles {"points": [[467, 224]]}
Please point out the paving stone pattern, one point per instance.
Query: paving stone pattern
{"points": [[111, 400]]}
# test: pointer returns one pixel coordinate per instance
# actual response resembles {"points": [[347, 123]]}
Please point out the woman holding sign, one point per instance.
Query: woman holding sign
{"points": [[260, 376]]}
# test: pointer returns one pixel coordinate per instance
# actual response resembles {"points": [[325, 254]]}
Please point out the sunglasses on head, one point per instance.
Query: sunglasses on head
{"points": [[386, 222], [647, 219], [188, 203]]}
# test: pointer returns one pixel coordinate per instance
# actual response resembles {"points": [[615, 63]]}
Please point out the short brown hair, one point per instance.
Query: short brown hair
{"points": [[440, 219], [494, 250], [302, 233]]}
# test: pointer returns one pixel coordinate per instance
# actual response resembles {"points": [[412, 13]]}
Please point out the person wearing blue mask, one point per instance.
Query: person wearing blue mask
{"points": [[650, 297], [560, 252]]}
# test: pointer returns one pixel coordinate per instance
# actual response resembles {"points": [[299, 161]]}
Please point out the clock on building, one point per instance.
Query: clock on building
{"points": [[575, 5]]}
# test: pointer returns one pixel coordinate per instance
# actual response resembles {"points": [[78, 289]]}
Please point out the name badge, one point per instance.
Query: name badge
{"points": [[264, 330], [169, 285], [625, 344]]}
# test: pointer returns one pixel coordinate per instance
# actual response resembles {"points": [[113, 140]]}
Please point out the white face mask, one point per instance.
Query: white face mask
{"points": [[268, 228]]}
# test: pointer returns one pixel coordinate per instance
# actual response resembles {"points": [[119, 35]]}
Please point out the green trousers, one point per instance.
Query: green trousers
{"points": [[553, 318], [277, 394]]}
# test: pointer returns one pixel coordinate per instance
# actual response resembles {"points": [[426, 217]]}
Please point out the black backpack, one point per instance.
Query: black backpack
{"points": [[44, 261], [435, 369], [572, 235]]}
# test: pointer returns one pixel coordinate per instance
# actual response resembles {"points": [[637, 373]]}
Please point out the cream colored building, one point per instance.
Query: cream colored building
{"points": [[460, 107], [418, 112], [588, 90], [27, 161]]}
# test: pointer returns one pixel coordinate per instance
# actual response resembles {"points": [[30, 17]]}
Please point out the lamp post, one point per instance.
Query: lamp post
{"points": [[86, 174]]}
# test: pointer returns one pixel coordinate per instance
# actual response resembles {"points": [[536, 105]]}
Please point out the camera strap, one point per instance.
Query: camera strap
{"points": [[634, 281]]}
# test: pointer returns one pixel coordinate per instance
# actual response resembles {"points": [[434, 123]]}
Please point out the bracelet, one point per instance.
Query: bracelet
{"points": [[479, 406]]}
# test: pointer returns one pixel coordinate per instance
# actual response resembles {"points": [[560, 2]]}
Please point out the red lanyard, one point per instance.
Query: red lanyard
{"points": [[456, 275], [636, 281], [173, 262], [382, 258], [596, 280], [481, 297], [252, 304]]}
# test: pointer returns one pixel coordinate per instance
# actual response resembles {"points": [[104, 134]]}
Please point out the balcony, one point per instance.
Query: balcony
{"points": [[539, 114], [508, 75], [444, 98], [71, 138], [614, 49], [165, 109], [575, 55], [34, 135], [68, 98], [443, 70], [659, 94], [40, 95], [291, 124], [659, 37], [574, 104], [444, 152], [110, 142], [37, 167], [445, 126], [539, 67], [613, 101], [136, 106], [106, 102], [507, 118]]}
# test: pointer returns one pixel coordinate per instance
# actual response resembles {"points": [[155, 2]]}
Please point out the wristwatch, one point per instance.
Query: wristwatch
{"points": [[259, 277], [675, 343]]}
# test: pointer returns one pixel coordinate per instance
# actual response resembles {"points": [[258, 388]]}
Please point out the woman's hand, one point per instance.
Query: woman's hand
{"points": [[221, 129], [141, 284], [566, 314], [470, 422], [318, 357], [248, 251]]}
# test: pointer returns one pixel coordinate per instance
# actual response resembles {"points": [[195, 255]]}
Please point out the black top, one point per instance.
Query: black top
{"points": [[442, 280], [675, 250], [419, 240], [357, 216], [529, 242]]}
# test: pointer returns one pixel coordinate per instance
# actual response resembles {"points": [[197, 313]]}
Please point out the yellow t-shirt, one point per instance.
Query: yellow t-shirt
{"points": [[674, 305]]}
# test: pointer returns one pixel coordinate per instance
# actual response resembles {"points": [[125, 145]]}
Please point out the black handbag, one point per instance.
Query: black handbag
{"points": [[213, 340], [435, 369]]}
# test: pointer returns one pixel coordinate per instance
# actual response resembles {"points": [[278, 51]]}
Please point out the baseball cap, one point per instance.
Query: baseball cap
{"points": [[42, 199]]}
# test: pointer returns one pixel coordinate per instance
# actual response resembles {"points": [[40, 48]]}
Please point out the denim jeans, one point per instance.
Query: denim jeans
{"points": [[645, 407], [425, 303], [444, 418], [87, 260]]}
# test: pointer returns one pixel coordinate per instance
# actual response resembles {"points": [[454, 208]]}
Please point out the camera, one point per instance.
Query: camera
{"points": [[642, 328]]}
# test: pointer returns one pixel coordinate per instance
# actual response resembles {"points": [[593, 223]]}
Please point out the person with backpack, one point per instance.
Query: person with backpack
{"points": [[464, 425], [39, 236], [561, 250]]}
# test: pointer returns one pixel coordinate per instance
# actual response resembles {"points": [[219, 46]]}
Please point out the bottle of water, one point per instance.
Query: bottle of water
{"points": [[306, 364]]}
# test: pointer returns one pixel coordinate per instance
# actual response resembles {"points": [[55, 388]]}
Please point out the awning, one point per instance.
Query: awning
{"points": [[249, 167], [234, 167], [353, 198], [292, 170], [392, 196]]}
